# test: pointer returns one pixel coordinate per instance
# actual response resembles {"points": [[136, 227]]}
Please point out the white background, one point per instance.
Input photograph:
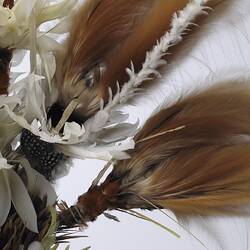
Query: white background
{"points": [[221, 47]]}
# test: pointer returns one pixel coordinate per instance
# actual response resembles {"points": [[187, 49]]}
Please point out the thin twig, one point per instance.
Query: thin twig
{"points": [[144, 217], [161, 133], [66, 114]]}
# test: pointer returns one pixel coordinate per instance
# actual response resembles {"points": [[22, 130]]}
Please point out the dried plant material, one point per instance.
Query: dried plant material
{"points": [[99, 51], [144, 168], [154, 59], [200, 169], [8, 3], [5, 58]]}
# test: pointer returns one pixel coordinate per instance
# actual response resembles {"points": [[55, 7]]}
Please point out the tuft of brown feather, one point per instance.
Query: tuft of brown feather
{"points": [[192, 158], [8, 3], [5, 58], [201, 168], [99, 28], [106, 36]]}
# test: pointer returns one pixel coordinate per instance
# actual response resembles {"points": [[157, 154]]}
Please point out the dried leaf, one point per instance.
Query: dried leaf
{"points": [[22, 201], [5, 199]]}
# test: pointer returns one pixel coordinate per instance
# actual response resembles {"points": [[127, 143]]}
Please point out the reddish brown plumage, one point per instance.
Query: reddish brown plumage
{"points": [[5, 58], [192, 158], [204, 166], [106, 36], [8, 3], [153, 26], [99, 28]]}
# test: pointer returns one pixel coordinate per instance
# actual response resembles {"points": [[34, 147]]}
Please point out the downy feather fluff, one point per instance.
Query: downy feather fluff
{"points": [[192, 158]]}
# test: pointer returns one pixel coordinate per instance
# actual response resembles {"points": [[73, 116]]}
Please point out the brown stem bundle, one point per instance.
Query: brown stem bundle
{"points": [[192, 158]]}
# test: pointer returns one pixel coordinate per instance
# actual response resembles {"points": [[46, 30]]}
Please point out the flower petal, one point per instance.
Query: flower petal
{"points": [[23, 9], [55, 11], [38, 185], [118, 132], [22, 201], [35, 245], [3, 163], [5, 200]]}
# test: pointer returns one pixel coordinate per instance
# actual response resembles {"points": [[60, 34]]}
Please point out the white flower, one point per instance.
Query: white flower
{"points": [[107, 128], [4, 164], [97, 128], [73, 130], [35, 245], [15, 23], [13, 190]]}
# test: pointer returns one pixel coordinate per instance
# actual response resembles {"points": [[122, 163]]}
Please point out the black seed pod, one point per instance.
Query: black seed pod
{"points": [[41, 155]]}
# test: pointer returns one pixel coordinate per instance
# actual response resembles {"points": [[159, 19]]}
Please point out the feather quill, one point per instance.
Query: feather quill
{"points": [[192, 158]]}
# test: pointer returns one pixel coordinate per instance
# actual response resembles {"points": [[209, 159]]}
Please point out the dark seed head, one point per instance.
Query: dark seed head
{"points": [[42, 155]]}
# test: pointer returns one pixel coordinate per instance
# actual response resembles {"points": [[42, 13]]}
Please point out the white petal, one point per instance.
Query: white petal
{"points": [[47, 43], [18, 57], [5, 200], [38, 185], [55, 11], [118, 155], [100, 152], [73, 129], [119, 132], [3, 163], [9, 100], [117, 117], [35, 245], [82, 152], [98, 121], [23, 9], [62, 27], [8, 133], [22, 201]]}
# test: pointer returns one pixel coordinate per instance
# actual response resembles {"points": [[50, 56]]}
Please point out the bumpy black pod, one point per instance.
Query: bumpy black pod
{"points": [[42, 155]]}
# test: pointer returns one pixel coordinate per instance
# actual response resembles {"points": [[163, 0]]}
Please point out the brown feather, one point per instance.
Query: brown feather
{"points": [[107, 23], [201, 168], [8, 3], [5, 58], [192, 158], [154, 25], [106, 36]]}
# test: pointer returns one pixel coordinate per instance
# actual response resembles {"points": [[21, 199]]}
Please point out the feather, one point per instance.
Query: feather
{"points": [[5, 58], [98, 28], [106, 36], [200, 168], [8, 3], [192, 158]]}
